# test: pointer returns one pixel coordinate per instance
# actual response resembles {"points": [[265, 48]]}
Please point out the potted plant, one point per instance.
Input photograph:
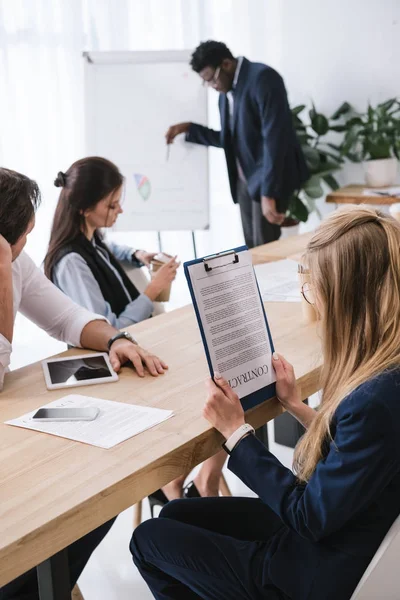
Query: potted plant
{"points": [[322, 157], [373, 138]]}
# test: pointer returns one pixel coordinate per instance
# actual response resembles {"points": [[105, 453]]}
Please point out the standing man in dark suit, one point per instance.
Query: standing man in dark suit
{"points": [[264, 158]]}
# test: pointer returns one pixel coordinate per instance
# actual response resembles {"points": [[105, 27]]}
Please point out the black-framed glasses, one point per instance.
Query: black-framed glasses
{"points": [[308, 293], [213, 79]]}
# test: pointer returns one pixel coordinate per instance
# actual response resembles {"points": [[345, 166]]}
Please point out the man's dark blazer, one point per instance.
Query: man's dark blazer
{"points": [[262, 139]]}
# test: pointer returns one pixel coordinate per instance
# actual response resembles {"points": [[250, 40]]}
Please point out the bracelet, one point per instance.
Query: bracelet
{"points": [[237, 436]]}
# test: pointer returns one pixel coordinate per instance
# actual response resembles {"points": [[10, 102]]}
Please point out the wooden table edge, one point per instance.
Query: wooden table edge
{"points": [[114, 499]]}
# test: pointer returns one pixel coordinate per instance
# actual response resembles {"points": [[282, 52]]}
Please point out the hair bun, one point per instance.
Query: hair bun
{"points": [[60, 180]]}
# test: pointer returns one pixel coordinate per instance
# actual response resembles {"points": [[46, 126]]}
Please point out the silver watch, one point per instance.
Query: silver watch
{"points": [[120, 336]]}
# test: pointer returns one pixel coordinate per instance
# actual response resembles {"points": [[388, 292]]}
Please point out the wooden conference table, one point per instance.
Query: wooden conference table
{"points": [[354, 194], [285, 248], [54, 491]]}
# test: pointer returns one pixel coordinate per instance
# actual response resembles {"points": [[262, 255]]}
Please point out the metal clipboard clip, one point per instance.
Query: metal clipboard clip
{"points": [[234, 259]]}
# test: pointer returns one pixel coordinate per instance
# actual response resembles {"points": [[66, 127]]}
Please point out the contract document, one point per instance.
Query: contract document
{"points": [[232, 323]]}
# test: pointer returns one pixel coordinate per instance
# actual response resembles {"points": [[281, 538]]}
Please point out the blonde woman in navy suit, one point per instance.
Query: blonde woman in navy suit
{"points": [[310, 535]]}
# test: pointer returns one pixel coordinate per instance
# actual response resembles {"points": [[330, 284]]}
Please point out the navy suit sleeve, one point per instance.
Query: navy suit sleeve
{"points": [[362, 460], [275, 120], [198, 134]]}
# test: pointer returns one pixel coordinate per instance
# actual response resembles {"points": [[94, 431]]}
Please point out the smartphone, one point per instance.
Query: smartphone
{"points": [[66, 414]]}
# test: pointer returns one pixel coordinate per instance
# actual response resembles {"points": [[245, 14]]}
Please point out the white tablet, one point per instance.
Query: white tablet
{"points": [[72, 371]]}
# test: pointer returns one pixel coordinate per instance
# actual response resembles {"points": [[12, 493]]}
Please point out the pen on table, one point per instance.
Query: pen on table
{"points": [[168, 152], [387, 194]]}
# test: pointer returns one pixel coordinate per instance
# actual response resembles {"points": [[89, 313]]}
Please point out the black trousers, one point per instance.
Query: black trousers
{"points": [[256, 229], [208, 548], [25, 587]]}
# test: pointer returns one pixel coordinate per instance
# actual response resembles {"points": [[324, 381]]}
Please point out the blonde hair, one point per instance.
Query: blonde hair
{"points": [[354, 261]]}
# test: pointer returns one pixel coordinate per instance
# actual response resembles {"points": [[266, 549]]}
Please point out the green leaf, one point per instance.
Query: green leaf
{"points": [[342, 110], [378, 148], [298, 122], [312, 157], [388, 104], [328, 167], [331, 181], [309, 202], [303, 138], [334, 146], [313, 187], [298, 125], [326, 154], [298, 209], [320, 124], [339, 128], [298, 109], [395, 110], [312, 112], [354, 157], [354, 121], [351, 138], [371, 113]]}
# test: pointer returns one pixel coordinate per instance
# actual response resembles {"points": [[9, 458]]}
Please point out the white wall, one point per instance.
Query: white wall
{"points": [[326, 50], [329, 51]]}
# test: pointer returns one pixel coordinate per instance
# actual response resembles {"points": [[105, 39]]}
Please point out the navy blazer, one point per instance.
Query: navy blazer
{"points": [[333, 525], [263, 139]]}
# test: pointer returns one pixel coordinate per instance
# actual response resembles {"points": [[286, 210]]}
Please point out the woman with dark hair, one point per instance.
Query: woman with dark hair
{"points": [[78, 260], [24, 289], [89, 271]]}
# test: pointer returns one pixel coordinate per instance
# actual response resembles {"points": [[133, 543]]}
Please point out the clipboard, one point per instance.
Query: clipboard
{"points": [[212, 263]]}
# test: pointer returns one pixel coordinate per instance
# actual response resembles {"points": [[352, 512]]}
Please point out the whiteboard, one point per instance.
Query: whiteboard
{"points": [[131, 98]]}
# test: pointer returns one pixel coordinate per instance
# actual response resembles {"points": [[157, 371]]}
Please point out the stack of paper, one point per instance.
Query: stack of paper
{"points": [[115, 423], [393, 191], [278, 281]]}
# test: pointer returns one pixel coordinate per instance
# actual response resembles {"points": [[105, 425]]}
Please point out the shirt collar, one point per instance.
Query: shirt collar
{"points": [[237, 71]]}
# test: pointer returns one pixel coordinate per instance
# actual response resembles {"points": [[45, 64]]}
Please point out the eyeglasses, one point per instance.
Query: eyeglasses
{"points": [[308, 293], [214, 78]]}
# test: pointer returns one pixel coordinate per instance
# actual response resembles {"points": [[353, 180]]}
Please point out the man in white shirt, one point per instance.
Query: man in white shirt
{"points": [[24, 287]]}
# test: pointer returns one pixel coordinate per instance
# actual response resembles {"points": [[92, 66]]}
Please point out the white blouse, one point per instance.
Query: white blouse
{"points": [[44, 304]]}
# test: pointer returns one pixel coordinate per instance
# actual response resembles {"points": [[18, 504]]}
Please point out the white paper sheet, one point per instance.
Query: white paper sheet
{"points": [[116, 422], [233, 321], [278, 281], [385, 191]]}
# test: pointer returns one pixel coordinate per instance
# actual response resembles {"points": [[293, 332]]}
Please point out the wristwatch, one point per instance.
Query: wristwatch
{"points": [[120, 336], [236, 436]]}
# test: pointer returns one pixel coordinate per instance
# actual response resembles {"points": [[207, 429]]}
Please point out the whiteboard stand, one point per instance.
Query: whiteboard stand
{"points": [[193, 243]]}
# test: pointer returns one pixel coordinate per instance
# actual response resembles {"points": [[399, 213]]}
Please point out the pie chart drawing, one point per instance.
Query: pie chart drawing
{"points": [[143, 185]]}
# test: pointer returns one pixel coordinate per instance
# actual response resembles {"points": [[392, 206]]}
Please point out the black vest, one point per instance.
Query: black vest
{"points": [[110, 286]]}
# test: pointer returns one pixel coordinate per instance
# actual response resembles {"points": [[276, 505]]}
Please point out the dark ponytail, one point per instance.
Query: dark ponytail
{"points": [[60, 180], [85, 184]]}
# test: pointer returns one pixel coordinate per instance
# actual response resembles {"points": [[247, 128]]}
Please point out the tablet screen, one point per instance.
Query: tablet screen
{"points": [[70, 371]]}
